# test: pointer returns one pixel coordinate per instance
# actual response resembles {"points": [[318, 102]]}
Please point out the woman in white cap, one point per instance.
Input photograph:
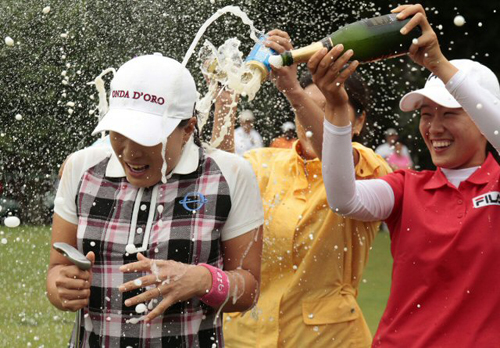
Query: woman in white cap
{"points": [[443, 223], [246, 137], [171, 230], [287, 138]]}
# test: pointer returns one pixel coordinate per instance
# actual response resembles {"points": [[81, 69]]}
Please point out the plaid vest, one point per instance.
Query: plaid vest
{"points": [[183, 219]]}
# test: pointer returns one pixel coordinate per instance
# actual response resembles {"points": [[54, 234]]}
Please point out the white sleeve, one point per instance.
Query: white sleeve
{"points": [[65, 202], [481, 105], [365, 200], [74, 168], [246, 204]]}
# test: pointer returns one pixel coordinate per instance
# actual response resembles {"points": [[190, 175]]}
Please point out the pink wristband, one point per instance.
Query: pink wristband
{"points": [[220, 287]]}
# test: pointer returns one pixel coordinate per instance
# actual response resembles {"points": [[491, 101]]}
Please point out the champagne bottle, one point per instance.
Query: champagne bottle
{"points": [[371, 40]]}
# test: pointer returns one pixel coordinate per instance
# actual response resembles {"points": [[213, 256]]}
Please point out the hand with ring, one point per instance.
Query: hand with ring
{"points": [[175, 282]]}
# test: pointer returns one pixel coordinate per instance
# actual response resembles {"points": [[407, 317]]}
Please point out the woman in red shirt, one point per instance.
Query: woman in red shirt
{"points": [[443, 223]]}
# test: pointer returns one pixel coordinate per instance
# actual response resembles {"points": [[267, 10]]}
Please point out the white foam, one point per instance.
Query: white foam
{"points": [[12, 221], [130, 248], [9, 41], [235, 10], [459, 21], [140, 308]]}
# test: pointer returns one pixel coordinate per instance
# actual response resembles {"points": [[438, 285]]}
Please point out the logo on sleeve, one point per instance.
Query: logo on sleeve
{"points": [[490, 198]]}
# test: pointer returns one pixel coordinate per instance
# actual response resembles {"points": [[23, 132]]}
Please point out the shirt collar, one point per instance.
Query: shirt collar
{"points": [[367, 164], [297, 148], [188, 162], [479, 177]]}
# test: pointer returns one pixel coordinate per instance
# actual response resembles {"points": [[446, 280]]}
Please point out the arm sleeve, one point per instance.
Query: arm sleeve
{"points": [[246, 205], [365, 200], [481, 105], [65, 202]]}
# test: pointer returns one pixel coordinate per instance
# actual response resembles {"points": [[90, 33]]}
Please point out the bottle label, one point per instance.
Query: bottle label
{"points": [[382, 20], [261, 53]]}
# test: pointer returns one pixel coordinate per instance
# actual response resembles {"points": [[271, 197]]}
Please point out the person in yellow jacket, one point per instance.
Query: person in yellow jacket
{"points": [[313, 258]]}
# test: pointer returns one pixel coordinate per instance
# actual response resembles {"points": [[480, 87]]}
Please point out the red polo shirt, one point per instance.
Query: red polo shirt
{"points": [[445, 243]]}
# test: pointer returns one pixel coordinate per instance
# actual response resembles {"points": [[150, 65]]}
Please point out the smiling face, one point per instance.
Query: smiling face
{"points": [[451, 136], [142, 164]]}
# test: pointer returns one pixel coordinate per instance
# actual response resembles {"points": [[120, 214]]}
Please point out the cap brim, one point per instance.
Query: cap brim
{"points": [[413, 100], [142, 128]]}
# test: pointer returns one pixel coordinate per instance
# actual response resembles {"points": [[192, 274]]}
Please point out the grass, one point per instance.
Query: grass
{"points": [[374, 289], [27, 319]]}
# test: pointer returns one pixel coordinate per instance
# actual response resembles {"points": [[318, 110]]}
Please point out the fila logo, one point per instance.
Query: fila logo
{"points": [[490, 198]]}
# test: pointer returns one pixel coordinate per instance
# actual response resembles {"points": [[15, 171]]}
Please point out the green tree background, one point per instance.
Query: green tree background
{"points": [[45, 76]]}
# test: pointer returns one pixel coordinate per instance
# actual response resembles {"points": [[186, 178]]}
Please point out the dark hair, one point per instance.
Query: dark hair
{"points": [[196, 135], [356, 88], [493, 151]]}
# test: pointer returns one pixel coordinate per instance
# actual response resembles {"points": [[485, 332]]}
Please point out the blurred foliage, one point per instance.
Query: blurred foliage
{"points": [[45, 76]]}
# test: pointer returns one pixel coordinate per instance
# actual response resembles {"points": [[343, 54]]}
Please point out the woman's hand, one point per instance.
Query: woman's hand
{"points": [[329, 74], [173, 281], [425, 51], [73, 285], [285, 78]]}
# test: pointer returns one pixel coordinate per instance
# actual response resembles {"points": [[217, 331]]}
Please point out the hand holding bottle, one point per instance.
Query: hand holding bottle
{"points": [[425, 50], [284, 78], [329, 74]]}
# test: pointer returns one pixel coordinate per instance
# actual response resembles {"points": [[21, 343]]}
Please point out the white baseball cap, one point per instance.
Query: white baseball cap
{"points": [[150, 95], [391, 131], [435, 89], [287, 126], [246, 115]]}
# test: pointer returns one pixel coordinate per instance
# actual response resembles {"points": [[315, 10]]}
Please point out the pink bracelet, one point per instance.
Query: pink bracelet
{"points": [[220, 287]]}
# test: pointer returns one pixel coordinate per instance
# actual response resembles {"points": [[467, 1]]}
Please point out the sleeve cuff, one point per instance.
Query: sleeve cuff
{"points": [[335, 130]]}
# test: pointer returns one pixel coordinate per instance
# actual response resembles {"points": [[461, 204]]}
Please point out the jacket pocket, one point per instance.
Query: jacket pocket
{"points": [[330, 310]]}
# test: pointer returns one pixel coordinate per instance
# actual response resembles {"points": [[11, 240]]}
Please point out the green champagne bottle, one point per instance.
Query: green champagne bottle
{"points": [[371, 40]]}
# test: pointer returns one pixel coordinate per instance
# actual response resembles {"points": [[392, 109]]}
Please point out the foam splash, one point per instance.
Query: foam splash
{"points": [[235, 10]]}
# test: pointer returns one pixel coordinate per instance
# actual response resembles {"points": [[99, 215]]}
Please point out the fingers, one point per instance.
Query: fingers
{"points": [[74, 272], [67, 295], [91, 256], [138, 283], [426, 40], [405, 11], [333, 72], [74, 305], [144, 297], [347, 72], [418, 20], [139, 266], [160, 309], [279, 41], [71, 283], [278, 44], [314, 61], [329, 62]]}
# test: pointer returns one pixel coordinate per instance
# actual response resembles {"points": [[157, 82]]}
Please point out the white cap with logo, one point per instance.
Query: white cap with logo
{"points": [[150, 95], [435, 89]]}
